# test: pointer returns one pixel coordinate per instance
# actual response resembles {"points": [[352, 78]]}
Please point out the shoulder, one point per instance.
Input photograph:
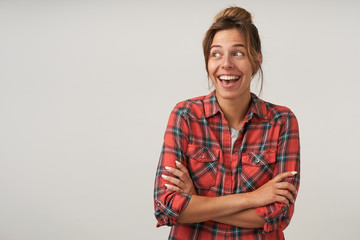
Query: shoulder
{"points": [[275, 112], [190, 108]]}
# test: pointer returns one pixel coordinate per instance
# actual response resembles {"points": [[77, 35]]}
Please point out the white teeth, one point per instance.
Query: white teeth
{"points": [[228, 78]]}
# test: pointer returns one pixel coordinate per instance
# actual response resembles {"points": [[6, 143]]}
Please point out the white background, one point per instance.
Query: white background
{"points": [[86, 88]]}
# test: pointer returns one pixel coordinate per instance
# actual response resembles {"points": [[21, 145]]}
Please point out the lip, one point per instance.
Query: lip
{"points": [[230, 85]]}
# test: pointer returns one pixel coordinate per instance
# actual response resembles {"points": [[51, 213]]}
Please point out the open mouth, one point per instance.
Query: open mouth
{"points": [[228, 80]]}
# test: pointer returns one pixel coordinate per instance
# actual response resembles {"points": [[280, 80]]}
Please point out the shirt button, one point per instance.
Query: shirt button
{"points": [[236, 152], [202, 156]]}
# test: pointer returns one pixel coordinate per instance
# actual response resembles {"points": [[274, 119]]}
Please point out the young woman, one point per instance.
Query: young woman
{"points": [[229, 166]]}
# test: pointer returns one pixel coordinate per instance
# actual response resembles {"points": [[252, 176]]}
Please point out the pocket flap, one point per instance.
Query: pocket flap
{"points": [[202, 154], [258, 158]]}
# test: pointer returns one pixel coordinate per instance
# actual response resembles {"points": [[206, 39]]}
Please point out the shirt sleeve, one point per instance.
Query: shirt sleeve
{"points": [[277, 215], [169, 204]]}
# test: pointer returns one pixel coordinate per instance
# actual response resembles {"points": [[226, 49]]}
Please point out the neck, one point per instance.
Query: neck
{"points": [[235, 109]]}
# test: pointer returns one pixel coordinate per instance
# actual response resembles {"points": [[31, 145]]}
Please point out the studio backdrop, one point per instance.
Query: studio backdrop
{"points": [[86, 89]]}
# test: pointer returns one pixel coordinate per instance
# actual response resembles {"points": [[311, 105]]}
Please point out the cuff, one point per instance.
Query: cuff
{"points": [[275, 215], [168, 213]]}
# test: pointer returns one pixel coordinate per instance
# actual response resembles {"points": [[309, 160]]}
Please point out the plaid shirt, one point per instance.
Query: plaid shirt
{"points": [[198, 136]]}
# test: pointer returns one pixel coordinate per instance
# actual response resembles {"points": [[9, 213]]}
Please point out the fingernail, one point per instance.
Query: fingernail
{"points": [[168, 168], [177, 163], [167, 185], [294, 172], [164, 176]]}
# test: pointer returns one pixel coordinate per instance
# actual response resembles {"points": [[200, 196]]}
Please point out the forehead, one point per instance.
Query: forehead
{"points": [[228, 37]]}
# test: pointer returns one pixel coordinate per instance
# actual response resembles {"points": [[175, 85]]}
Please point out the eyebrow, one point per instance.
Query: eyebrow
{"points": [[236, 45]]}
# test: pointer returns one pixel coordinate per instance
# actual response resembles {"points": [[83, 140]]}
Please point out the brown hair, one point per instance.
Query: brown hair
{"points": [[240, 19]]}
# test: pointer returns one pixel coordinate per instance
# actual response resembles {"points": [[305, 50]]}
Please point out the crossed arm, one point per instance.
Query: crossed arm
{"points": [[236, 209]]}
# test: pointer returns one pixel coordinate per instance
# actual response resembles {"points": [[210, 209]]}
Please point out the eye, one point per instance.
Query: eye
{"points": [[239, 54], [216, 54]]}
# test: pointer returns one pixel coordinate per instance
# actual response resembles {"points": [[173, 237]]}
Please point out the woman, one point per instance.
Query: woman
{"points": [[229, 167]]}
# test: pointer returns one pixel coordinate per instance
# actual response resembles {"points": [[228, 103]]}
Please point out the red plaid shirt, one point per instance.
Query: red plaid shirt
{"points": [[198, 136]]}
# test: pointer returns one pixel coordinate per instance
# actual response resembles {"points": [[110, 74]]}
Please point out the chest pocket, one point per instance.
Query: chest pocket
{"points": [[257, 168], [202, 165]]}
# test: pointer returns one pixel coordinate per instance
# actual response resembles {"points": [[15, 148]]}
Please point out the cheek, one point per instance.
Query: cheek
{"points": [[211, 72], [211, 68], [247, 69], [213, 80]]}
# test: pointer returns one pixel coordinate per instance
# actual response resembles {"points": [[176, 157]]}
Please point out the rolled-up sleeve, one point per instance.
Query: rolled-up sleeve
{"points": [[169, 204], [277, 215]]}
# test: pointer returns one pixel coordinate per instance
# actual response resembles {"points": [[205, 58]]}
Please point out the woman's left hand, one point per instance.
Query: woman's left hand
{"points": [[183, 183]]}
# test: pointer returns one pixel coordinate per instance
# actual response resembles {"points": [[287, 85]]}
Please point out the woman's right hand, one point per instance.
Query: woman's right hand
{"points": [[275, 191], [183, 183]]}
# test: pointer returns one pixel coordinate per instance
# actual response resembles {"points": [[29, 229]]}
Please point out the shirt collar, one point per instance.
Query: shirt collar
{"points": [[257, 106], [211, 105]]}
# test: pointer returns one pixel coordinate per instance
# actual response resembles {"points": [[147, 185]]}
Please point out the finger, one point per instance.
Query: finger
{"points": [[173, 188], [177, 182], [281, 176], [288, 186], [176, 172], [284, 200], [287, 194], [182, 167]]}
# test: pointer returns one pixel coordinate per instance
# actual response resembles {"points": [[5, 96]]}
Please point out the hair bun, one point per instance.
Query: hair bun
{"points": [[235, 12]]}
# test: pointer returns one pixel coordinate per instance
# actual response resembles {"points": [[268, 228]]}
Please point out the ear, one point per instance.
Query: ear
{"points": [[259, 58]]}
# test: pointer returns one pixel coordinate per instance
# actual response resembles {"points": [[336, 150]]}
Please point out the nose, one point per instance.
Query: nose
{"points": [[227, 62]]}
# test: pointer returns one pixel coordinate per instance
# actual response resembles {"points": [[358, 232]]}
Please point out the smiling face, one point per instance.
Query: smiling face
{"points": [[229, 66]]}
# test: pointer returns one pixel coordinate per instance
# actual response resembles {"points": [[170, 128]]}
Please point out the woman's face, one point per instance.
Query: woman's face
{"points": [[229, 66]]}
